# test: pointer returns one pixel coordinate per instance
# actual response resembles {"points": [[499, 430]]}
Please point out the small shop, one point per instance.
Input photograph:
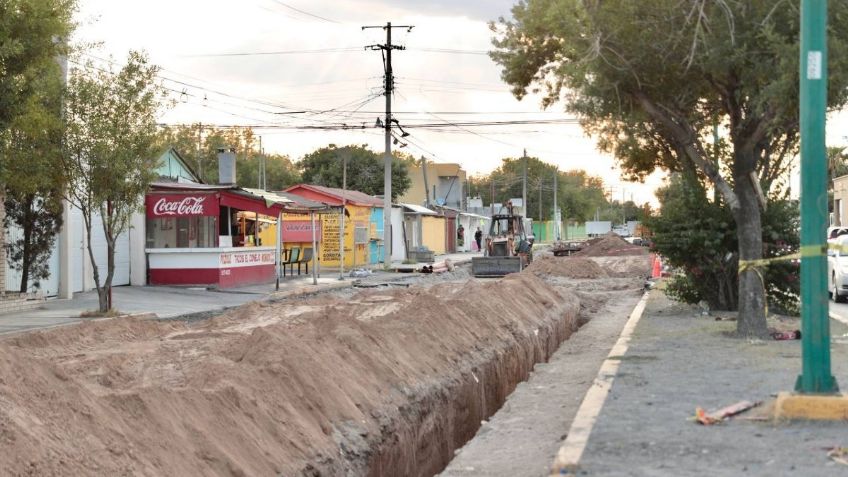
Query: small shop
{"points": [[210, 235]]}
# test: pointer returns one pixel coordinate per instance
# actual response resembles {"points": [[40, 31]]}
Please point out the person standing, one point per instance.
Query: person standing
{"points": [[460, 236], [478, 237]]}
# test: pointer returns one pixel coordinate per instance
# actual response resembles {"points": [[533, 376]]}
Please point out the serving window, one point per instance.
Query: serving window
{"points": [[182, 232]]}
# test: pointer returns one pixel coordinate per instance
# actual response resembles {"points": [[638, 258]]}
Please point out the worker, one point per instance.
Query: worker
{"points": [[478, 237], [460, 235]]}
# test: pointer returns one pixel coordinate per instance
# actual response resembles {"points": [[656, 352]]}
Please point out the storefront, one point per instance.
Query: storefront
{"points": [[211, 235]]}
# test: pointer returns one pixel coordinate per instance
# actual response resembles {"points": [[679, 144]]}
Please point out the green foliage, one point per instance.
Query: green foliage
{"points": [[199, 145], [28, 33], [579, 195], [365, 170], [651, 79], [698, 236], [30, 148], [110, 154]]}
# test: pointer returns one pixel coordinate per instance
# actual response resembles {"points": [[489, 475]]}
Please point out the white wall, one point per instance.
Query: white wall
{"points": [[398, 246]]}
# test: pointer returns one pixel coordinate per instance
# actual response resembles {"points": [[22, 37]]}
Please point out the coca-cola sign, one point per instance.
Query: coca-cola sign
{"points": [[162, 206]]}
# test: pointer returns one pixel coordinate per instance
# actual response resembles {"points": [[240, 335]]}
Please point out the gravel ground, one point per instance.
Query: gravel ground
{"points": [[678, 360]]}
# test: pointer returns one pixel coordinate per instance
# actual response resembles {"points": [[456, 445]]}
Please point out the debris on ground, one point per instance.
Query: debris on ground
{"points": [[786, 335], [838, 455], [710, 418]]}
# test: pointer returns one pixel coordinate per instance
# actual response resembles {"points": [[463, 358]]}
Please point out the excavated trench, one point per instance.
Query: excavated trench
{"points": [[380, 383]]}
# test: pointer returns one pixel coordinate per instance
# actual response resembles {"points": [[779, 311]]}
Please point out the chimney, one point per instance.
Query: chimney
{"points": [[227, 166]]}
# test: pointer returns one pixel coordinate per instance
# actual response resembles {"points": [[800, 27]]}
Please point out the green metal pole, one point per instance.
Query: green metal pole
{"points": [[816, 377]]}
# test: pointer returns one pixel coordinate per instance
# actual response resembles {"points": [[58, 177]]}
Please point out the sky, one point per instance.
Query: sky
{"points": [[313, 59]]}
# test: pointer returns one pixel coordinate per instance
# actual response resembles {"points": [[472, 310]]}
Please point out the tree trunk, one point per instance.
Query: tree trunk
{"points": [[752, 299], [102, 297], [26, 259]]}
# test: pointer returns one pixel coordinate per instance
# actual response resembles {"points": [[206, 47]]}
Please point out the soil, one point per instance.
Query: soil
{"points": [[379, 382], [569, 267], [610, 245]]}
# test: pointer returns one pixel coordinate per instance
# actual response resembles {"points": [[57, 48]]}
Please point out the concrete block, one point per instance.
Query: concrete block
{"points": [[811, 407]]}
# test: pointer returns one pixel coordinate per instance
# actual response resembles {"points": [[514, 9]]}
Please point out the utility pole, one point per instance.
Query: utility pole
{"points": [[342, 219], [259, 166], [199, 152], [524, 187], [816, 377], [556, 205], [426, 185], [541, 183], [492, 203], [386, 49]]}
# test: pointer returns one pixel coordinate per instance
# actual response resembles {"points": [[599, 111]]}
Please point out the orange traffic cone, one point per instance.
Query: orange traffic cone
{"points": [[656, 271]]}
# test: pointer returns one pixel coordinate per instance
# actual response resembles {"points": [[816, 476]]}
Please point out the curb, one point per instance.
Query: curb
{"points": [[568, 457], [811, 407]]}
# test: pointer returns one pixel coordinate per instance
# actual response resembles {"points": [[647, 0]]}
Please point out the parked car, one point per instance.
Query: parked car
{"points": [[837, 269]]}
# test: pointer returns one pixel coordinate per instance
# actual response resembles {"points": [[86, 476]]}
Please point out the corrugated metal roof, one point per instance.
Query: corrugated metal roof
{"points": [[353, 196], [419, 209]]}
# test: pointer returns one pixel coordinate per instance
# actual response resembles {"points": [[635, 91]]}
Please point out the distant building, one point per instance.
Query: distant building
{"points": [[840, 201], [445, 185]]}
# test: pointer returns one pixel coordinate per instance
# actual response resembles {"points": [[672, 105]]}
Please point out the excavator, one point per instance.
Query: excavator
{"points": [[508, 248]]}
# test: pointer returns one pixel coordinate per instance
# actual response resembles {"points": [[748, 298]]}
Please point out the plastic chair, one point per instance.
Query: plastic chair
{"points": [[294, 255]]}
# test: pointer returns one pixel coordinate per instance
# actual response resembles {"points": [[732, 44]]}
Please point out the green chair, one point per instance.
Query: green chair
{"points": [[294, 255]]}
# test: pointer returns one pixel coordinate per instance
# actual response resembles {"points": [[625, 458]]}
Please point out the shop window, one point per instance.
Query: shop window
{"points": [[182, 232]]}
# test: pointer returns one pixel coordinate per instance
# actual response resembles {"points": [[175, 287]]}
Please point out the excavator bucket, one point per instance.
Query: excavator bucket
{"points": [[483, 267]]}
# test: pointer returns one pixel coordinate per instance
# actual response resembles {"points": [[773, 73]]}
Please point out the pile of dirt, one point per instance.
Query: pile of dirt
{"points": [[636, 265], [569, 267], [610, 245], [389, 382]]}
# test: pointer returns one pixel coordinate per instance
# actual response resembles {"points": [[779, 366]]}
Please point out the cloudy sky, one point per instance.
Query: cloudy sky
{"points": [[260, 62]]}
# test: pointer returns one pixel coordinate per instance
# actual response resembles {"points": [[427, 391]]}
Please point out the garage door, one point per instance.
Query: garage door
{"points": [[122, 253]]}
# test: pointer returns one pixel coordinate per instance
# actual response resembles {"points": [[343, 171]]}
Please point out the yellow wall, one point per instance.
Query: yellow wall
{"points": [[359, 217], [433, 235]]}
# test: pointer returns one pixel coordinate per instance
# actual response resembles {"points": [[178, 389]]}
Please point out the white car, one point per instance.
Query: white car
{"points": [[837, 270]]}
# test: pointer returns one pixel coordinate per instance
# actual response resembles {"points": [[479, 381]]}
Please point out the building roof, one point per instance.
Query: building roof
{"points": [[339, 195], [303, 201], [419, 209]]}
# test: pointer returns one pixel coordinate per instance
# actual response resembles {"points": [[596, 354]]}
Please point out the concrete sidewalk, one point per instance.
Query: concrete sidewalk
{"points": [[170, 302], [679, 359]]}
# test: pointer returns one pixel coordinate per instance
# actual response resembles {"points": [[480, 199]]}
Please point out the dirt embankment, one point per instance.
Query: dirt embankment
{"points": [[610, 245], [566, 267], [386, 383]]}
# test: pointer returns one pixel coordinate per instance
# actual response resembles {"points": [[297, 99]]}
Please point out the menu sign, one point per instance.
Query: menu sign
{"points": [[330, 239]]}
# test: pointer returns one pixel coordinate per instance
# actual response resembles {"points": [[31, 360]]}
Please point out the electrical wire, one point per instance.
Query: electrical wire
{"points": [[278, 2]]}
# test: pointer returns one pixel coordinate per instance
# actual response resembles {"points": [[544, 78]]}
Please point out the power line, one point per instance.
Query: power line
{"points": [[278, 2], [273, 53]]}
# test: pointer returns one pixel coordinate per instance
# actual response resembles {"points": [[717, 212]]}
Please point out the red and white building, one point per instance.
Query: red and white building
{"points": [[198, 234]]}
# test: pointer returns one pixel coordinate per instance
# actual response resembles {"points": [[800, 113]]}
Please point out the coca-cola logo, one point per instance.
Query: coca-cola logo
{"points": [[186, 206]]}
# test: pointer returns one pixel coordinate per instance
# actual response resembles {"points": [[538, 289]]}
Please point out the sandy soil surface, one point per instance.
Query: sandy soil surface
{"points": [[679, 359], [380, 382], [610, 245]]}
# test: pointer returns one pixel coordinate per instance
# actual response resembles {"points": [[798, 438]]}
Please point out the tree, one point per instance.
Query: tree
{"points": [[29, 30], [110, 150], [199, 147], [578, 193], [365, 170], [33, 189], [652, 78]]}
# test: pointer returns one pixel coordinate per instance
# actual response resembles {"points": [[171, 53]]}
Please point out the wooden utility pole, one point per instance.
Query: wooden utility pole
{"points": [[342, 218], [426, 184], [524, 186], [387, 167]]}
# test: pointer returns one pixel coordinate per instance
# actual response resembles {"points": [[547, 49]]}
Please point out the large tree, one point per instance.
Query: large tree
{"points": [[31, 33], [364, 169], [199, 145], [30, 147], [110, 150], [652, 78], [579, 194]]}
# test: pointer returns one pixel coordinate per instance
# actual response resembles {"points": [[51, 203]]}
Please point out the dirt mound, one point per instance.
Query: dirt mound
{"points": [[626, 266], [569, 267], [391, 380], [610, 245]]}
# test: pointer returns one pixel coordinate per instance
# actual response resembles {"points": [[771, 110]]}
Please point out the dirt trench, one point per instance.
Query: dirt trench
{"points": [[384, 382]]}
